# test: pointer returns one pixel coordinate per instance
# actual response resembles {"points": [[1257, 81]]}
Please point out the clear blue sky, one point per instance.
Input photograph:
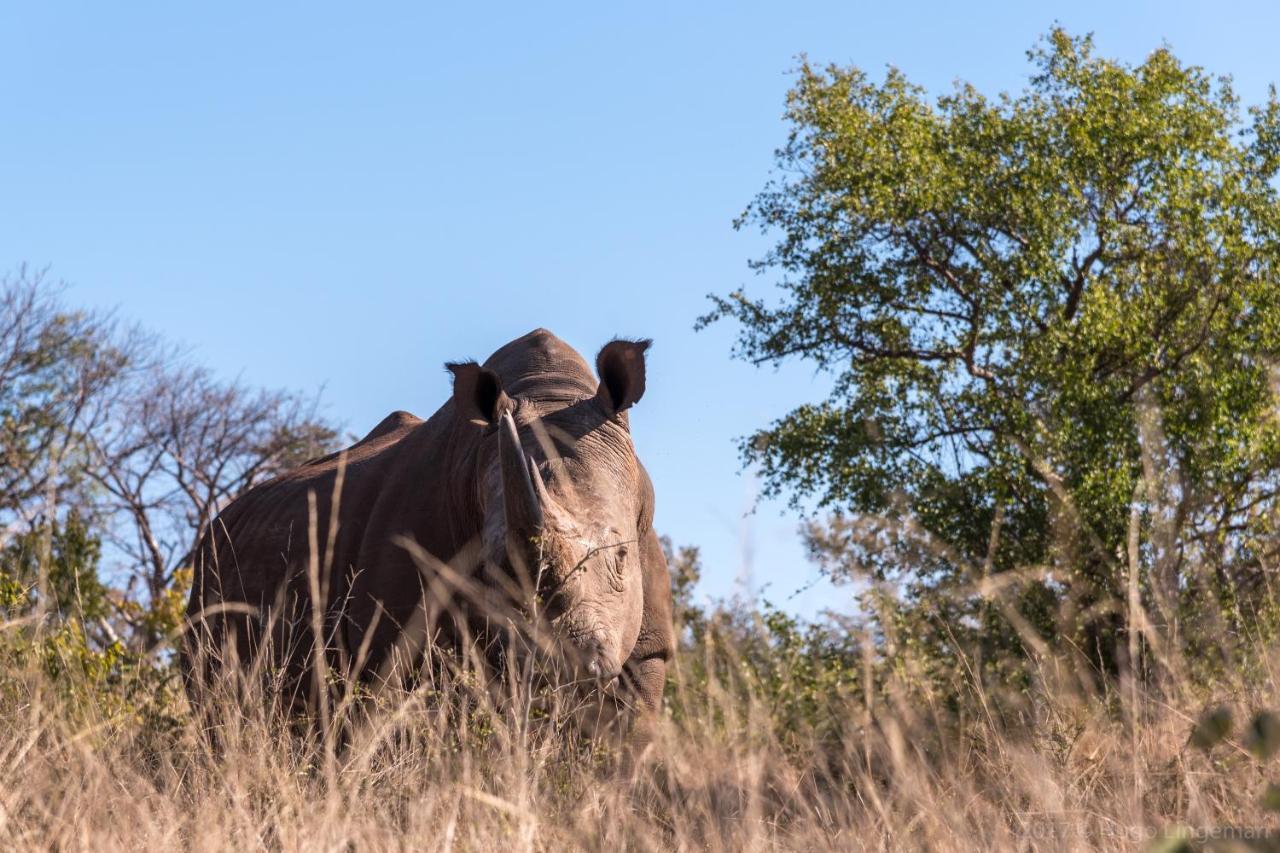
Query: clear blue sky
{"points": [[346, 196]]}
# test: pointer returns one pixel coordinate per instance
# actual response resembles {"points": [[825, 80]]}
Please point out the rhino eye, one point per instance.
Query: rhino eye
{"points": [[615, 572]]}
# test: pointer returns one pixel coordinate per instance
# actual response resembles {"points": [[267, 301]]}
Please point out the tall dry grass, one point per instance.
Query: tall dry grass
{"points": [[773, 736], [901, 766]]}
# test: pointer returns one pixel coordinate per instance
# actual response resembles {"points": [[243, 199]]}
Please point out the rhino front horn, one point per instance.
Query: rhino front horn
{"points": [[522, 495]]}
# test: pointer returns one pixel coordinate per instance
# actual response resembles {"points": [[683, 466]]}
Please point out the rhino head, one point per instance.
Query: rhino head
{"points": [[565, 502]]}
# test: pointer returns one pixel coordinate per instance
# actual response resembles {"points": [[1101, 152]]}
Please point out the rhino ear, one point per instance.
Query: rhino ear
{"points": [[477, 393], [621, 368]]}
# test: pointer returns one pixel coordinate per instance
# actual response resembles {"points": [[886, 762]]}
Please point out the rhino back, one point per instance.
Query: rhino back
{"points": [[261, 542]]}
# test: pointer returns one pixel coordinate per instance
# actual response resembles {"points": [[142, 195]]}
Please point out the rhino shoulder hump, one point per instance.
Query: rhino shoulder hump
{"points": [[391, 423]]}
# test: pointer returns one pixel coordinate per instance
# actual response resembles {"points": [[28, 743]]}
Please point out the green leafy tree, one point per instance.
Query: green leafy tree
{"points": [[685, 566], [68, 555], [1052, 319]]}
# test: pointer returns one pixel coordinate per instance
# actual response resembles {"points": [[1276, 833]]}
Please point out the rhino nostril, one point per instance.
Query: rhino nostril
{"points": [[592, 660], [601, 673]]}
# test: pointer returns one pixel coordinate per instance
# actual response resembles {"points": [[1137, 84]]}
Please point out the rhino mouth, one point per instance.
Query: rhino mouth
{"points": [[565, 655]]}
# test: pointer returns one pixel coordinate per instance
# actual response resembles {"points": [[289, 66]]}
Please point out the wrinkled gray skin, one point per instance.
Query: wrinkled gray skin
{"points": [[522, 498]]}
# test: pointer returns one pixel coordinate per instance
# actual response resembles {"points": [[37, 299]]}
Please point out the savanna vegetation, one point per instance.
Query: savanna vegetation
{"points": [[1049, 471]]}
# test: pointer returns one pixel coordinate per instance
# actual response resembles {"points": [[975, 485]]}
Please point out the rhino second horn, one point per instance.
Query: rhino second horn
{"points": [[521, 498]]}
